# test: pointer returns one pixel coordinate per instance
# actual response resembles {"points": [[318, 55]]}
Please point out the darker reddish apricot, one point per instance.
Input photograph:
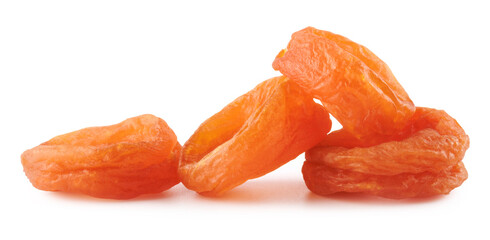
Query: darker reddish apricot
{"points": [[429, 150], [324, 180]]}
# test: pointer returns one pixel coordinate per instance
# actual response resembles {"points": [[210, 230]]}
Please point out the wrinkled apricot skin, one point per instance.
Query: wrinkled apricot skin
{"points": [[354, 85], [324, 180], [255, 134], [137, 156], [424, 159], [433, 142]]}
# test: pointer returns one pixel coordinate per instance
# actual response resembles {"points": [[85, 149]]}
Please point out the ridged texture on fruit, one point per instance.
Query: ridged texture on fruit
{"points": [[137, 156], [355, 86], [423, 159], [255, 134]]}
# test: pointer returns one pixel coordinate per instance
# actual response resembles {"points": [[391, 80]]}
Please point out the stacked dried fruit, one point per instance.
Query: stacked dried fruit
{"points": [[387, 147]]}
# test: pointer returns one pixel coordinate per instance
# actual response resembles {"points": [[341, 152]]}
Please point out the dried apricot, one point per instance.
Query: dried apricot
{"points": [[253, 135], [324, 180], [354, 85], [137, 156], [429, 150]]}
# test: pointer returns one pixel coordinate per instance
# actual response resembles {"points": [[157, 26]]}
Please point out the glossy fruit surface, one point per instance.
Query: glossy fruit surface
{"points": [[355, 86], [255, 134], [429, 150], [121, 161], [324, 180]]}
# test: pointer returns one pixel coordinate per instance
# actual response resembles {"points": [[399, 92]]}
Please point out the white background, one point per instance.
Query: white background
{"points": [[66, 65]]}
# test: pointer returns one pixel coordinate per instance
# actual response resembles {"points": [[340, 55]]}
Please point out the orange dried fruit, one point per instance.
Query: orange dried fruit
{"points": [[137, 156], [253, 135], [431, 143], [429, 150], [354, 85], [324, 180]]}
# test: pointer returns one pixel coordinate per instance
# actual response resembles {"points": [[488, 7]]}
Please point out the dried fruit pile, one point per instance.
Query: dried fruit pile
{"points": [[387, 147]]}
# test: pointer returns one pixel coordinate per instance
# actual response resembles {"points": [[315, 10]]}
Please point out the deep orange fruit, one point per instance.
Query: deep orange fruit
{"points": [[324, 180], [354, 85], [121, 161], [423, 159], [253, 135]]}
